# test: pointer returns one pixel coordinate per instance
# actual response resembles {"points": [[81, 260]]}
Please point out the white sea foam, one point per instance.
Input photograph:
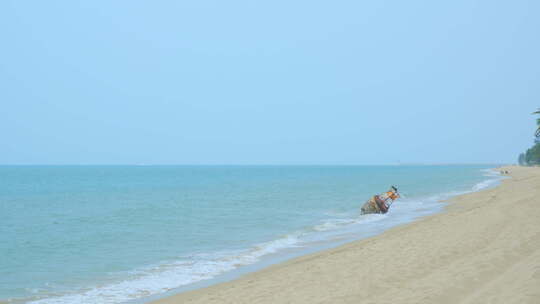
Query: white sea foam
{"points": [[333, 224], [166, 276], [485, 184], [187, 270], [494, 180]]}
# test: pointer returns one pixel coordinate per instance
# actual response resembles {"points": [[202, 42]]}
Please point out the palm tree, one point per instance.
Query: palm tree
{"points": [[537, 133]]}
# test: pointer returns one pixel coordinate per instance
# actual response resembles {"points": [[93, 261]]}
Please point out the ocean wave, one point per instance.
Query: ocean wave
{"points": [[173, 274], [334, 224], [187, 270], [495, 179], [485, 184]]}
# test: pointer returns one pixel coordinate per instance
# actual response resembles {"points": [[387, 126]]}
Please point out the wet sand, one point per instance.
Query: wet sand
{"points": [[484, 249]]}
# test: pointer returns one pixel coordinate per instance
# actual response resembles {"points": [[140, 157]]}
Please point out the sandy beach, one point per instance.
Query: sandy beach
{"points": [[484, 249]]}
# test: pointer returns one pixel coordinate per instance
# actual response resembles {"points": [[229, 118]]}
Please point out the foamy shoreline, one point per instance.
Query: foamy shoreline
{"points": [[454, 254]]}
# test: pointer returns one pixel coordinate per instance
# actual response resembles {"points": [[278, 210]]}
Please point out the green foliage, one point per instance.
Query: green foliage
{"points": [[537, 133], [532, 156]]}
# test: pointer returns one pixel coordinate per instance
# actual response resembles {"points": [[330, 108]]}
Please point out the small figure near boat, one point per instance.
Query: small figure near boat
{"points": [[380, 203]]}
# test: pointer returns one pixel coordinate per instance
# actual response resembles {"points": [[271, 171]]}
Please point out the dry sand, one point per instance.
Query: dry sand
{"points": [[484, 249]]}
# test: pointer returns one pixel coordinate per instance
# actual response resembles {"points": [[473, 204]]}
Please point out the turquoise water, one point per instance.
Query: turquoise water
{"points": [[109, 234]]}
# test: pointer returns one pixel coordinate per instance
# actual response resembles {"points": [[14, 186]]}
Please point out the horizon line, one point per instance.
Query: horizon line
{"points": [[269, 164]]}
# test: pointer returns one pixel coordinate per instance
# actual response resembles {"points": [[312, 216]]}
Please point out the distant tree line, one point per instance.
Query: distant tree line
{"points": [[531, 157]]}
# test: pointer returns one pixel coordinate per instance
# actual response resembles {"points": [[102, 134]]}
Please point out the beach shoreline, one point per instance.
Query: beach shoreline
{"points": [[468, 253]]}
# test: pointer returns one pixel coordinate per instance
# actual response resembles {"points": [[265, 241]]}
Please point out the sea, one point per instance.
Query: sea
{"points": [[129, 234]]}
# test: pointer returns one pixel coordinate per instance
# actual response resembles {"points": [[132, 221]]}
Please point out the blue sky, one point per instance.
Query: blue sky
{"points": [[273, 82]]}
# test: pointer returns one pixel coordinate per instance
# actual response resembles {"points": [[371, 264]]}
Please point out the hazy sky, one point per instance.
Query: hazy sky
{"points": [[267, 82]]}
